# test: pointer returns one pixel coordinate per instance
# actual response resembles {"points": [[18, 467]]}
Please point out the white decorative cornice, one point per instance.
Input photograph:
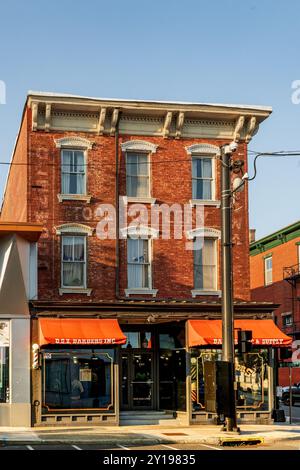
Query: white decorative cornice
{"points": [[203, 232], [74, 142], [203, 149], [74, 228], [139, 231], [139, 145]]}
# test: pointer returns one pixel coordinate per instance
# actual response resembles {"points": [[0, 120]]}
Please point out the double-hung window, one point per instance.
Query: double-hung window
{"points": [[268, 270], [138, 263], [137, 174], [205, 264], [73, 169], [202, 177], [73, 261]]}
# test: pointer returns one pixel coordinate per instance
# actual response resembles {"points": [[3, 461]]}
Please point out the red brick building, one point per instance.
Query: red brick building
{"points": [[275, 275], [113, 317]]}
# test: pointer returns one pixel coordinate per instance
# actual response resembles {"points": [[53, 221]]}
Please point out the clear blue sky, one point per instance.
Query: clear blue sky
{"points": [[226, 51]]}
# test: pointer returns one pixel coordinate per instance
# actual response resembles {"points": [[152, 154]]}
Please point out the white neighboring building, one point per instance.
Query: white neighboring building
{"points": [[18, 284]]}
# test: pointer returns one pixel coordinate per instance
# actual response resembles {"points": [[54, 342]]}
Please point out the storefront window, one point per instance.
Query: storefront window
{"points": [[251, 371], [138, 340], [78, 379], [4, 362], [172, 379]]}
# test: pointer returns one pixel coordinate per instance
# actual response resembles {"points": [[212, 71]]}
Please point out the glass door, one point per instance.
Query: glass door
{"points": [[137, 380]]}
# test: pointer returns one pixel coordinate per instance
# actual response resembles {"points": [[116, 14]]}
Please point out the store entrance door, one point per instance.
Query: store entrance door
{"points": [[137, 392]]}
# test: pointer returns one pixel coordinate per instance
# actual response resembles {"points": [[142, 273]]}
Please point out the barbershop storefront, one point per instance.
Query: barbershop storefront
{"points": [[92, 370]]}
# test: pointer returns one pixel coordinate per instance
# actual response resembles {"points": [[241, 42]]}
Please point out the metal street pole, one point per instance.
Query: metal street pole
{"points": [[227, 285]]}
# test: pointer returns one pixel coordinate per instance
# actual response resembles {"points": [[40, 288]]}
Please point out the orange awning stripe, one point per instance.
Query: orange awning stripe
{"points": [[80, 331], [209, 332]]}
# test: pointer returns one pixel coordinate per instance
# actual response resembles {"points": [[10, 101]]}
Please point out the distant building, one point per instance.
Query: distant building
{"points": [[275, 277]]}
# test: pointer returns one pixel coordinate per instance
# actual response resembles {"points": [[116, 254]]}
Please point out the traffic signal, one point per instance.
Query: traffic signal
{"points": [[244, 341]]}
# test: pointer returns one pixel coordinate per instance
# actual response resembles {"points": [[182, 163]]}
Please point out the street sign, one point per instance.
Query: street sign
{"points": [[289, 364]]}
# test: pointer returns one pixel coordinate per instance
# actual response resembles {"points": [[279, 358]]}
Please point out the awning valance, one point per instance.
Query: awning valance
{"points": [[79, 331], [209, 332]]}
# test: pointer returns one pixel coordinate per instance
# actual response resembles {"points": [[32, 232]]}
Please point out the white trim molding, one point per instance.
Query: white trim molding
{"points": [[205, 202], [205, 149], [138, 200], [139, 145], [74, 290], [79, 229], [196, 292], [74, 197], [139, 231], [204, 232], [74, 142], [141, 291]]}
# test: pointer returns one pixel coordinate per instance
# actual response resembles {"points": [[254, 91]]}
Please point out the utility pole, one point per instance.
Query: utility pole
{"points": [[227, 284]]}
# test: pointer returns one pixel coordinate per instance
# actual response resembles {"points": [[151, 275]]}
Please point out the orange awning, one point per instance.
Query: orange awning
{"points": [[80, 331], [209, 332]]}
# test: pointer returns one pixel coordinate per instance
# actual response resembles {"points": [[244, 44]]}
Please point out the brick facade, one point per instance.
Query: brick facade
{"points": [[171, 182]]}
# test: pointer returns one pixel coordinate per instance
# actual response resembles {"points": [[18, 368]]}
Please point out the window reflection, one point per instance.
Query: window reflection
{"points": [[251, 373], [77, 379]]}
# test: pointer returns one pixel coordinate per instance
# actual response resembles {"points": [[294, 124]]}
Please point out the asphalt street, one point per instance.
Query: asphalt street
{"points": [[286, 445]]}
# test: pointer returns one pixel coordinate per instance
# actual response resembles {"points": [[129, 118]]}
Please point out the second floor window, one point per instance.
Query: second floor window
{"points": [[137, 175], [73, 171], [205, 265], [73, 261], [287, 320], [202, 175], [138, 264], [268, 270]]}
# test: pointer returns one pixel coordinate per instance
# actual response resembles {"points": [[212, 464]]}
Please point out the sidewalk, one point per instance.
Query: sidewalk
{"points": [[143, 435]]}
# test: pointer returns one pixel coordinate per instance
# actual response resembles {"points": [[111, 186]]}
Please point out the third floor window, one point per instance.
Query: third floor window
{"points": [[137, 175], [73, 169]]}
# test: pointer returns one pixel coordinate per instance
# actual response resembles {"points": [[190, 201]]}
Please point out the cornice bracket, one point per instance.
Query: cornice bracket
{"points": [[252, 126], [179, 124], [48, 117], [238, 128], [114, 120], [167, 124], [101, 121], [34, 109]]}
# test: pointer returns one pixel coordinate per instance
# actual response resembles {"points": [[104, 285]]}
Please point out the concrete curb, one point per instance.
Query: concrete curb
{"points": [[214, 441]]}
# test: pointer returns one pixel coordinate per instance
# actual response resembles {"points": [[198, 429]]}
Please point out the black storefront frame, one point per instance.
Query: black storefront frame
{"points": [[155, 331], [58, 411]]}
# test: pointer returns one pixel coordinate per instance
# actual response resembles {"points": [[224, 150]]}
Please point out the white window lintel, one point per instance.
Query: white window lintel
{"points": [[74, 228], [138, 145]]}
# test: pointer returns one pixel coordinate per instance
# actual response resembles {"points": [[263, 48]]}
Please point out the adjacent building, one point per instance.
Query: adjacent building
{"points": [[18, 284], [275, 277], [124, 324]]}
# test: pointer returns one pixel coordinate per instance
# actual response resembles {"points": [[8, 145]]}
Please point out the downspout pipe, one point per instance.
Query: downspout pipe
{"points": [[117, 179]]}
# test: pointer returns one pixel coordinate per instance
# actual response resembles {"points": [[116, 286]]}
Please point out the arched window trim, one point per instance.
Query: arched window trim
{"points": [[79, 229], [205, 232], [203, 149], [138, 145], [74, 142]]}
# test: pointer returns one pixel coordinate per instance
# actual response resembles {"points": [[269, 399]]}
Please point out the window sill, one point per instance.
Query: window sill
{"points": [[205, 202], [142, 200], [141, 291], [74, 290], [196, 292], [74, 197]]}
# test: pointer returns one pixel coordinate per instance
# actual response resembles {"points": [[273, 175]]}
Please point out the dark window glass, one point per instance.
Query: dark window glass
{"points": [[78, 379]]}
